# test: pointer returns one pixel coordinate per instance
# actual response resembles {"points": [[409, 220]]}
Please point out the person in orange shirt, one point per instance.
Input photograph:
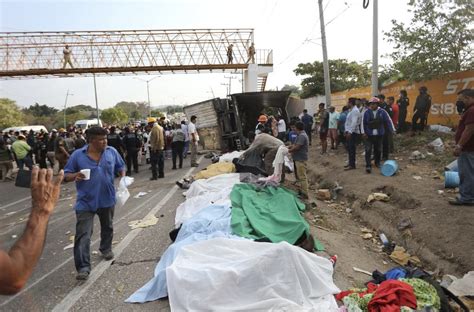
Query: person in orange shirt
{"points": [[395, 110]]}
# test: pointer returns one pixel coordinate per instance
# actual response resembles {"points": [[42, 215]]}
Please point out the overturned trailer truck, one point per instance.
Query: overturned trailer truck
{"points": [[227, 124]]}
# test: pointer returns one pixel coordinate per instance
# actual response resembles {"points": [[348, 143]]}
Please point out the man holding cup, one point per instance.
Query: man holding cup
{"points": [[93, 168]]}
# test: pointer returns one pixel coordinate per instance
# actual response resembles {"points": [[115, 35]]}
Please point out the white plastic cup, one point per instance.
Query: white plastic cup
{"points": [[86, 173]]}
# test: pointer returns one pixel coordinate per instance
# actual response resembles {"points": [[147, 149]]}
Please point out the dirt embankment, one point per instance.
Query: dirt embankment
{"points": [[441, 235]]}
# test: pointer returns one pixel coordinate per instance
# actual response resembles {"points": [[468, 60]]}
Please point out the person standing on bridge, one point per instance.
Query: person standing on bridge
{"points": [[17, 265], [93, 168], [67, 57], [251, 54], [230, 54]]}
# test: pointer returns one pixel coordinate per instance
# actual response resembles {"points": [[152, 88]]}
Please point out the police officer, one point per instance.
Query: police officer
{"points": [[114, 140], [422, 110], [132, 144]]}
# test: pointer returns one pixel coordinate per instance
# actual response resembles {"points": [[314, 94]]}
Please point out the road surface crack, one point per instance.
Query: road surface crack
{"points": [[125, 263]]}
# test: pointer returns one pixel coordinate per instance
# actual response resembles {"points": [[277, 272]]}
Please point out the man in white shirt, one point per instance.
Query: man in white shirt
{"points": [[194, 140], [281, 128], [352, 128], [332, 132]]}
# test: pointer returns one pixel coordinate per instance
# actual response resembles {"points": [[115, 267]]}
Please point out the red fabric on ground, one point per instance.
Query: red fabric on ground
{"points": [[391, 295]]}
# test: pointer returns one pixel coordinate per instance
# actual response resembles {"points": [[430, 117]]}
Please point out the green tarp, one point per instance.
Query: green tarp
{"points": [[271, 212]]}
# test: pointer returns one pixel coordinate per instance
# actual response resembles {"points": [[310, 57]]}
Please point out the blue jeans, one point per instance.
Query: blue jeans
{"points": [[82, 239], [186, 149], [351, 149], [27, 161], [466, 177]]}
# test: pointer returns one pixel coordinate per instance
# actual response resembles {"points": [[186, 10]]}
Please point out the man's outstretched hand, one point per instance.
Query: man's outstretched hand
{"points": [[45, 190]]}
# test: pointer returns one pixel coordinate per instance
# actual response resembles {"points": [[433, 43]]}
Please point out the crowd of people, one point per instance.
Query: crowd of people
{"points": [[149, 143]]}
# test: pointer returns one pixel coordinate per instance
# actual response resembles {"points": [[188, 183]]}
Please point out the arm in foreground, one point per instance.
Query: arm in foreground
{"points": [[17, 265]]}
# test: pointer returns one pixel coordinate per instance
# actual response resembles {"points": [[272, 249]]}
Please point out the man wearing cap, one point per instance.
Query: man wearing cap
{"points": [[22, 150], [262, 121], [157, 145], [376, 122], [422, 109], [464, 150]]}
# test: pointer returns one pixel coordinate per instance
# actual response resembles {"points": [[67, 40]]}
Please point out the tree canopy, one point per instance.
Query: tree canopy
{"points": [[343, 75], [437, 41], [114, 116], [11, 115], [38, 110]]}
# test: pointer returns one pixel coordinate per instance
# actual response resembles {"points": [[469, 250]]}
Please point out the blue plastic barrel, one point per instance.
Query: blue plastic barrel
{"points": [[451, 179], [389, 168]]}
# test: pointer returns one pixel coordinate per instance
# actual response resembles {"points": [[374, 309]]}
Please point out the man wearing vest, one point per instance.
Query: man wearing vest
{"points": [[114, 140], [375, 122]]}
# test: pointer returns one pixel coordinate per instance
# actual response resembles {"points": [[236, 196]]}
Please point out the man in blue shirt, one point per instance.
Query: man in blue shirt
{"points": [[308, 124], [95, 195], [299, 150]]}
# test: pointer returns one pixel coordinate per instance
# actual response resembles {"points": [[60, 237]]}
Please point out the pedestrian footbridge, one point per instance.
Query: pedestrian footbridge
{"points": [[27, 55]]}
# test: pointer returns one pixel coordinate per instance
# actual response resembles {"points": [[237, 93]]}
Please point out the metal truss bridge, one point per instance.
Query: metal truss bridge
{"points": [[40, 54]]}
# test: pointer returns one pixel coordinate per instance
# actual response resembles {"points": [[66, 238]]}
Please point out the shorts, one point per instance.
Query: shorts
{"points": [[332, 134], [323, 135]]}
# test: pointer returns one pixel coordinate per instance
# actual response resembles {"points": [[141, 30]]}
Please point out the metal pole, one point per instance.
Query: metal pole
{"points": [[375, 50], [65, 104], [95, 85], [327, 82], [148, 92]]}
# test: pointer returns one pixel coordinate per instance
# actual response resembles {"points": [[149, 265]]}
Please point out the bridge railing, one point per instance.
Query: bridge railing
{"points": [[125, 49]]}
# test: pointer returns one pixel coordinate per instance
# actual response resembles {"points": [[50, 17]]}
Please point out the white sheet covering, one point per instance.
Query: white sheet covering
{"points": [[228, 157], [228, 275], [214, 184]]}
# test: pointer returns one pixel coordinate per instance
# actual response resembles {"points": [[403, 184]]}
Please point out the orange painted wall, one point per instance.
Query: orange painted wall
{"points": [[443, 92]]}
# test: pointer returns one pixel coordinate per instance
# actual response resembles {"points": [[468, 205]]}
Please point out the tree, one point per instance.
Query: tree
{"points": [[114, 116], [11, 114], [295, 90], [40, 110], [343, 74], [157, 113], [437, 41]]}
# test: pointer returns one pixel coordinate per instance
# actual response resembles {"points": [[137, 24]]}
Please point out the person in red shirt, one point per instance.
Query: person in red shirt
{"points": [[464, 150], [395, 110]]}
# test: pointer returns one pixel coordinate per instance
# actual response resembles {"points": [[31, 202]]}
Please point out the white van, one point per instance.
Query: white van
{"points": [[36, 129], [87, 123]]}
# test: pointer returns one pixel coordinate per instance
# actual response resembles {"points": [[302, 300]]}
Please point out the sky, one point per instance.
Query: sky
{"points": [[289, 27]]}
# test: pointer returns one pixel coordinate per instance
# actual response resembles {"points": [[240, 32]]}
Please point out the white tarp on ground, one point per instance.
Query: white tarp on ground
{"points": [[228, 157], [214, 184], [191, 206], [240, 275]]}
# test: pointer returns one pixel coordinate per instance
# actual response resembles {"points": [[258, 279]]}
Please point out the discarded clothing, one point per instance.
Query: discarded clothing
{"points": [[259, 183], [391, 295], [210, 222], [426, 294], [228, 157], [273, 213], [214, 170], [278, 165], [356, 303], [250, 162], [241, 275], [463, 286], [214, 184]]}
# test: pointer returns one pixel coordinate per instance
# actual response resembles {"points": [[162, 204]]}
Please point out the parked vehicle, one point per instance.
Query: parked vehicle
{"points": [[35, 128], [87, 123]]}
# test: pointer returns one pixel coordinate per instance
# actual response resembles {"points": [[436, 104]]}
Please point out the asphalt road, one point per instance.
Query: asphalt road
{"points": [[53, 285]]}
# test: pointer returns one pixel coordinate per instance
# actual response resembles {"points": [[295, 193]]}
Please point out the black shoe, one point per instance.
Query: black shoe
{"points": [[136, 171], [153, 178], [161, 176], [346, 166], [195, 165], [174, 168], [349, 168], [128, 174], [457, 202], [108, 255], [82, 276], [180, 167], [368, 170]]}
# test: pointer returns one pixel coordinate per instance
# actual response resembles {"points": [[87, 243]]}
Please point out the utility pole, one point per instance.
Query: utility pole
{"points": [[95, 84], [230, 83], [148, 91], [65, 104], [375, 50], [327, 82]]}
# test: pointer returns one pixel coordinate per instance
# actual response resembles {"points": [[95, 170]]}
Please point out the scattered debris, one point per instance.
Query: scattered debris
{"points": [[402, 257], [95, 252], [323, 228], [348, 210], [367, 236], [440, 192], [71, 238], [145, 222], [67, 233], [362, 271], [418, 178], [323, 194], [378, 196], [417, 155], [14, 236], [71, 245], [437, 145], [384, 239], [463, 286], [140, 194], [440, 128], [120, 287], [365, 230], [404, 223]]}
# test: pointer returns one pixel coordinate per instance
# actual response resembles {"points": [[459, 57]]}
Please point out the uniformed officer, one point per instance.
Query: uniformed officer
{"points": [[132, 144], [114, 140], [422, 110]]}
